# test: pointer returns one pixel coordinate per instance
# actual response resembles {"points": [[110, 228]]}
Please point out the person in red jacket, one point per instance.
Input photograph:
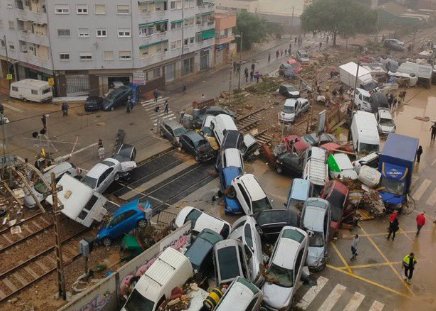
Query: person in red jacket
{"points": [[393, 216], [420, 222]]}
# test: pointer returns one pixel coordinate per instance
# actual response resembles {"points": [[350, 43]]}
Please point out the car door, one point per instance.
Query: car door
{"points": [[105, 180], [167, 132], [128, 223], [190, 148], [244, 199]]}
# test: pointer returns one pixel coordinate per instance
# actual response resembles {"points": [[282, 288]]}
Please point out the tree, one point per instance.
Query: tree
{"points": [[252, 27], [339, 17]]}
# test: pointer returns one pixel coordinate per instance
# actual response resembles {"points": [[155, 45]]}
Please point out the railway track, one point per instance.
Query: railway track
{"points": [[250, 121], [37, 267]]}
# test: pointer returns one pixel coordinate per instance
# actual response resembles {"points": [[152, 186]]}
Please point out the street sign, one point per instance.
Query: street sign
{"points": [[51, 82], [139, 77], [9, 76]]}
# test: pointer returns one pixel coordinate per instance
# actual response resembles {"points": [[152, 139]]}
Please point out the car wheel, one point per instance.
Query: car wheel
{"points": [[279, 169], [117, 177], [107, 242], [142, 223]]}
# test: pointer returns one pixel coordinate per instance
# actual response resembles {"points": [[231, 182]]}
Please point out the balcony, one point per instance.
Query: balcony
{"points": [[28, 36], [35, 60], [224, 39], [206, 7], [154, 38], [28, 15]]}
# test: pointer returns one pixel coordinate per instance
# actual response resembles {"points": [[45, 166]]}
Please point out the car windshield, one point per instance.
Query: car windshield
{"points": [[386, 122], [193, 216], [89, 181], [393, 186], [336, 200], [228, 263], [198, 251], [41, 187], [207, 131], [279, 276], [261, 205], [288, 109], [137, 302], [368, 148], [316, 239], [304, 55], [291, 88], [179, 131]]}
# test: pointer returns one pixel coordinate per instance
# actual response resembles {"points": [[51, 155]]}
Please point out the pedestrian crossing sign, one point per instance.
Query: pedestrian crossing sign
{"points": [[9, 76]]}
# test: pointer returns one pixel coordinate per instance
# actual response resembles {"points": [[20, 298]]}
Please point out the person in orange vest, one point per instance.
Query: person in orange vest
{"points": [[420, 222]]}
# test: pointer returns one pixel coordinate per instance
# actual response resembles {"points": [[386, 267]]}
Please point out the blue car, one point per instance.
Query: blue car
{"points": [[231, 204], [125, 219]]}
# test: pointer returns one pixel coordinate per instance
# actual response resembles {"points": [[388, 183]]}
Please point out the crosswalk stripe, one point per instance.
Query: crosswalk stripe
{"points": [[354, 302], [432, 163], [377, 306], [333, 298], [12, 108], [432, 199], [310, 295], [421, 189]]}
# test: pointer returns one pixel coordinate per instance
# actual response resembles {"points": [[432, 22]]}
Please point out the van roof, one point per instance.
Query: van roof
{"points": [[300, 189], [160, 272], [238, 296], [30, 83], [366, 125], [250, 182]]}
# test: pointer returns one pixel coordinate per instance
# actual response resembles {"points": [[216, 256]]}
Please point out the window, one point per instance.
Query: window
{"points": [[11, 25], [176, 44], [82, 9], [156, 72], [83, 33], [62, 9], [63, 32], [125, 55], [101, 33], [64, 56], [123, 9], [185, 42], [123, 33], [11, 47], [100, 9], [15, 89], [85, 56], [34, 92], [176, 5], [191, 40], [108, 55]]}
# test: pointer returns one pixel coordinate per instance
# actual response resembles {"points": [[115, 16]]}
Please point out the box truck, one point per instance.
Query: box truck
{"points": [[347, 74], [396, 167]]}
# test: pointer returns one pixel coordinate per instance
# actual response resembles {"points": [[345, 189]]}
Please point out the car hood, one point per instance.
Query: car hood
{"points": [[232, 206], [386, 128], [277, 296], [287, 116], [315, 256]]}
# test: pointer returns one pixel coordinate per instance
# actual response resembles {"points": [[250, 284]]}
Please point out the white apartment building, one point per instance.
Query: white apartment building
{"points": [[88, 44]]}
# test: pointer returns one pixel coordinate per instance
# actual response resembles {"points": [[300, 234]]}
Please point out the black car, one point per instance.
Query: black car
{"points": [[125, 152], [286, 71], [394, 44], [232, 139], [201, 114], [272, 221], [93, 103], [289, 91], [116, 98], [290, 164], [197, 145], [314, 140]]}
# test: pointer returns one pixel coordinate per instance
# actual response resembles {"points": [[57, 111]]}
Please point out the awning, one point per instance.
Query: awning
{"points": [[144, 46], [161, 22], [145, 25], [177, 21], [208, 34]]}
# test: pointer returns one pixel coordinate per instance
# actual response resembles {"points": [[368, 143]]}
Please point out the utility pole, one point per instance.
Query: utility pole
{"points": [[240, 60], [355, 86], [230, 85], [7, 58], [59, 261]]}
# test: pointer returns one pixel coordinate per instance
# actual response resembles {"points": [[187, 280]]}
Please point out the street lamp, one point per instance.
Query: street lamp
{"points": [[240, 58]]}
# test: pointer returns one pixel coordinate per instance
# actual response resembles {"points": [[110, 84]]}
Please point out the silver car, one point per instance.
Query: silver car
{"points": [[244, 230], [229, 260], [172, 130], [315, 220]]}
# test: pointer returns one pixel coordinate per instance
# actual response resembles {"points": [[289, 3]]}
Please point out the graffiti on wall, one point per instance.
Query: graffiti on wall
{"points": [[98, 302]]}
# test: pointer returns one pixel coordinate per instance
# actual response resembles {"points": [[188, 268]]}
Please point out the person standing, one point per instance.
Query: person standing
{"points": [[290, 48], [433, 131], [269, 58], [277, 54], [166, 106], [246, 74], [419, 153], [156, 95], [65, 109], [253, 66], [251, 76], [393, 228], [100, 150], [281, 53], [320, 45], [354, 247], [420, 222], [409, 262]]}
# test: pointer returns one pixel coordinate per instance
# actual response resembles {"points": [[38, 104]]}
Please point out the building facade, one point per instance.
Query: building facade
{"points": [[87, 45], [225, 47]]}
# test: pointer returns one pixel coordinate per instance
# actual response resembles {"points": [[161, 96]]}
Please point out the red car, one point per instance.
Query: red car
{"points": [[336, 193]]}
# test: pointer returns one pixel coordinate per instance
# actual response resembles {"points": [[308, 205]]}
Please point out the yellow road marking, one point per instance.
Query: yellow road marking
{"points": [[361, 278], [371, 265], [342, 258], [384, 233], [407, 236], [387, 261]]}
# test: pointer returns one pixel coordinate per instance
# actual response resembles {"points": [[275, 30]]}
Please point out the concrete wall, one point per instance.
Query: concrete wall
{"points": [[106, 295]]}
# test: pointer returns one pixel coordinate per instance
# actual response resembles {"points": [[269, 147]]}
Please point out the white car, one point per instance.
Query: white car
{"points": [[240, 295], [282, 278], [385, 121], [292, 109], [341, 167], [250, 194], [103, 174], [315, 220], [200, 220], [40, 190], [244, 229], [302, 56]]}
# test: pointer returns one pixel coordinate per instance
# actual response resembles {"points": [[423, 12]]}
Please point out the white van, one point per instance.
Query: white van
{"points": [[80, 202], [241, 295], [364, 133], [172, 269], [32, 90], [220, 124], [315, 166]]}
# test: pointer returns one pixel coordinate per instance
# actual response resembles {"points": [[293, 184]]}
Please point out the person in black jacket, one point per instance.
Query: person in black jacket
{"points": [[393, 228]]}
